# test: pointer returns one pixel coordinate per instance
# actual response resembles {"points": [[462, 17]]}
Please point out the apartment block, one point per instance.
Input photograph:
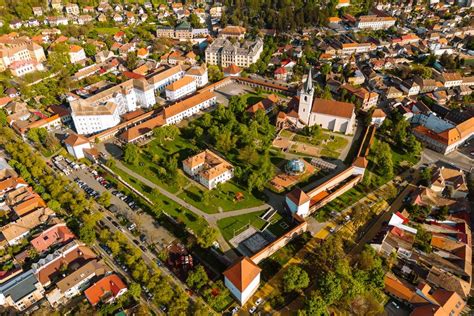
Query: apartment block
{"points": [[223, 52]]}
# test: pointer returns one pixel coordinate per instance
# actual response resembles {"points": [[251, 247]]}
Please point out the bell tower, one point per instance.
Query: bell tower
{"points": [[306, 94]]}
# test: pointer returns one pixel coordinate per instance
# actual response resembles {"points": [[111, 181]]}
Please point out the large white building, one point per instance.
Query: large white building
{"points": [[19, 49], [165, 78], [208, 168], [102, 110], [199, 73], [242, 279], [189, 107], [333, 115], [180, 88], [223, 52]]}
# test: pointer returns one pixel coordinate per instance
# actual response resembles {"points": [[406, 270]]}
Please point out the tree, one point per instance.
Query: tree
{"points": [[104, 198], [215, 74], [327, 93], [132, 60], [131, 154], [90, 50], [166, 133], [195, 21], [314, 305], [382, 158], [3, 118], [197, 278], [135, 290], [207, 236], [87, 234], [295, 279], [330, 287]]}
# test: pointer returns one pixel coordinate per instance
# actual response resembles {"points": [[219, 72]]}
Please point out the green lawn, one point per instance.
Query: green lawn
{"points": [[332, 148], [107, 30], [233, 224], [252, 98], [223, 198], [286, 133], [180, 214]]}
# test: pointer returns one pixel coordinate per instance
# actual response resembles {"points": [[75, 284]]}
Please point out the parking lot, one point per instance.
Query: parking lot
{"points": [[122, 206]]}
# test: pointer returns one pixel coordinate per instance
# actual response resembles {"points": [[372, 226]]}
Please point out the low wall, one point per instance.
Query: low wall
{"points": [[341, 176], [266, 85], [346, 187], [281, 241]]}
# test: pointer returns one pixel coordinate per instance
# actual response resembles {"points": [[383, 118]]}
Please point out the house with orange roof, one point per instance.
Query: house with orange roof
{"points": [[199, 74], [298, 202], [76, 54], [106, 290], [343, 4], [454, 179], [266, 105], [208, 168], [232, 71], [75, 145], [378, 116], [142, 53], [447, 140], [242, 279]]}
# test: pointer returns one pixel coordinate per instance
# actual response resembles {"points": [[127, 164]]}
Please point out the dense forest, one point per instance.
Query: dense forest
{"points": [[286, 15]]}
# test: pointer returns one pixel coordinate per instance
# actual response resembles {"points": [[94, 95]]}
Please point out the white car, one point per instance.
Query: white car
{"points": [[252, 309], [235, 310], [258, 301]]}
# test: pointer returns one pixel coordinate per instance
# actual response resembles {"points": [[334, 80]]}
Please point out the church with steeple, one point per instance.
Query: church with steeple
{"points": [[306, 110]]}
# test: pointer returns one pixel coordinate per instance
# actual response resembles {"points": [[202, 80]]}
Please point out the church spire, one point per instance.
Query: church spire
{"points": [[308, 86]]}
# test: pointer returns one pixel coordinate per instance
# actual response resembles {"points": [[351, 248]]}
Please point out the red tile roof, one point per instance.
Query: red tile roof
{"points": [[110, 286], [56, 234], [242, 273]]}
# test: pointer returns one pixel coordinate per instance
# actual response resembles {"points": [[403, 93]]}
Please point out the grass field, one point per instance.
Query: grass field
{"points": [[222, 198], [107, 30], [230, 225]]}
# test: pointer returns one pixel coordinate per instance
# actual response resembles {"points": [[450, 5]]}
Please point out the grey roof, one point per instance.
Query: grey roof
{"points": [[4, 164], [20, 286]]}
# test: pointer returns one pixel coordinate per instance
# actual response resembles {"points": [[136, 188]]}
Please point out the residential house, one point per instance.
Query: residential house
{"points": [[76, 54], [106, 290], [21, 292]]}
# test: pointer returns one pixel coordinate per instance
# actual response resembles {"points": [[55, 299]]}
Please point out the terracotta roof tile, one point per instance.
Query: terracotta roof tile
{"points": [[242, 273]]}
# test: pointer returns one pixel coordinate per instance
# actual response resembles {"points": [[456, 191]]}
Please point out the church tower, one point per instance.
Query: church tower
{"points": [[306, 99]]}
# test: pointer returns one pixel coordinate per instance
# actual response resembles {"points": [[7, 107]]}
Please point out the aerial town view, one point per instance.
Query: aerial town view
{"points": [[231, 157]]}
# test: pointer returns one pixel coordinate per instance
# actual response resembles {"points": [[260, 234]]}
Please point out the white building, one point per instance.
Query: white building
{"points": [[89, 119], [13, 49], [242, 279], [76, 54], [189, 107], [163, 79], [199, 73], [410, 87], [208, 168], [298, 202], [180, 88], [75, 145], [71, 8], [21, 68], [374, 22], [329, 114], [102, 110], [223, 52], [378, 116]]}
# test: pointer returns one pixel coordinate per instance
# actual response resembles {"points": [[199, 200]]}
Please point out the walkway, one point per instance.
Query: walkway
{"points": [[210, 218]]}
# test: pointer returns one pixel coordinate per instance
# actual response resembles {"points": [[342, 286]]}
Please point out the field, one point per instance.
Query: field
{"points": [[221, 199], [234, 225]]}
